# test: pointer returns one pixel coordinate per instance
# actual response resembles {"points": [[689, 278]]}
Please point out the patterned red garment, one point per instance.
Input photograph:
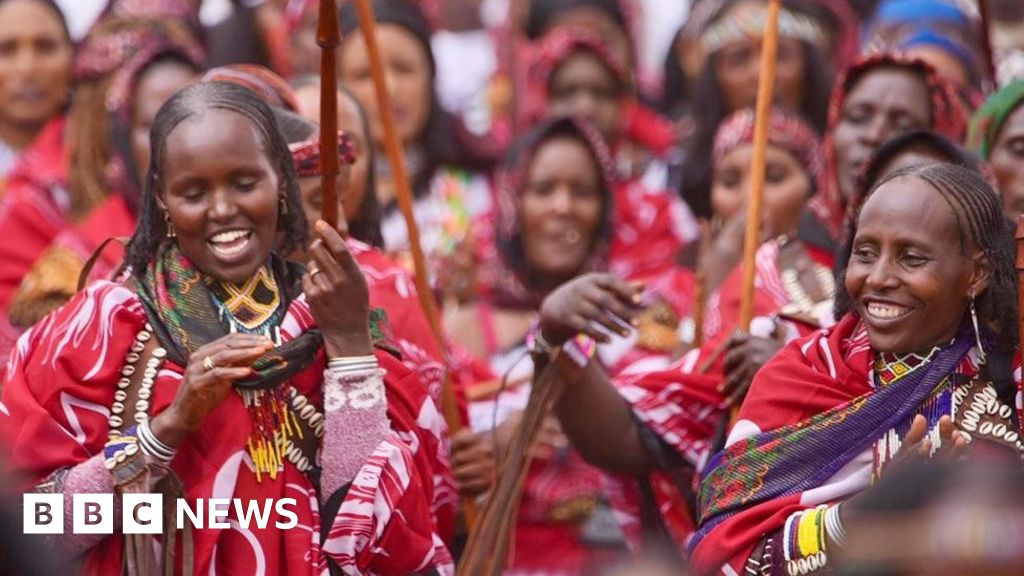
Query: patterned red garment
{"points": [[31, 216], [59, 387], [948, 118], [393, 289], [827, 370]]}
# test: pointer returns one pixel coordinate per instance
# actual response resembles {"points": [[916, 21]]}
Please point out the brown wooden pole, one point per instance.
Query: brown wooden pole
{"points": [[393, 147], [765, 92], [328, 37], [752, 237]]}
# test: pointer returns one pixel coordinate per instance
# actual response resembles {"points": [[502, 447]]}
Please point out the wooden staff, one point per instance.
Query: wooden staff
{"points": [[987, 49], [487, 549], [751, 240], [1020, 282], [765, 91], [328, 37], [449, 404]]}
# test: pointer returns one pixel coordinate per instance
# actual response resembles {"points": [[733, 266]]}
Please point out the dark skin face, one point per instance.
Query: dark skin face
{"points": [[787, 187], [584, 87], [598, 22], [222, 194], [911, 284], [884, 103], [154, 87], [35, 64], [738, 64], [406, 72], [560, 209], [1007, 159]]}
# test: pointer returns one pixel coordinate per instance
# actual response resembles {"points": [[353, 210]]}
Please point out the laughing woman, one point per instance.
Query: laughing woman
{"points": [[920, 361], [220, 364]]}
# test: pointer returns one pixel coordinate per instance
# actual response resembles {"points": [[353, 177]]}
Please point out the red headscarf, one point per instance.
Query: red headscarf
{"points": [[785, 130], [948, 118], [504, 279], [263, 81], [555, 48]]}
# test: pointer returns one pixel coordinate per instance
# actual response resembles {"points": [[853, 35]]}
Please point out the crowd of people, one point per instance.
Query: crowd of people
{"points": [[176, 317]]}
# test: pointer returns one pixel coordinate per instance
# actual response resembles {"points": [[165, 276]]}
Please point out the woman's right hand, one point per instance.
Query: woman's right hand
{"points": [[202, 390], [593, 304]]}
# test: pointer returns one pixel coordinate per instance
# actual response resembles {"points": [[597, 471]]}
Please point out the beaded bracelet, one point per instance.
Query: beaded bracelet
{"points": [[805, 540], [360, 390]]}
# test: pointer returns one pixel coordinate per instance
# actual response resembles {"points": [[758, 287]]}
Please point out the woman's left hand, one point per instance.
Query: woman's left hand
{"points": [[337, 295]]}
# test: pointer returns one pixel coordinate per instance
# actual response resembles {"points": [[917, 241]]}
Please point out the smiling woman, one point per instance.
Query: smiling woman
{"points": [[237, 372], [921, 364], [35, 73]]}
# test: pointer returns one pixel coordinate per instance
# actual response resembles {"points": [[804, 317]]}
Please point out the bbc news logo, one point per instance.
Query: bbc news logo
{"points": [[144, 513]]}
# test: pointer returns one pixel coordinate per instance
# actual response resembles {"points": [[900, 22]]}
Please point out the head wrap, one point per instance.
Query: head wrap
{"points": [[785, 130], [183, 10], [306, 155], [505, 278], [543, 11], [988, 120], [947, 114], [552, 52], [263, 81], [751, 24], [404, 13]]}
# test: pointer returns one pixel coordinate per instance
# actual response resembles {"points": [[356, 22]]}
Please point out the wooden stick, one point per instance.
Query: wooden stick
{"points": [[449, 404], [752, 237], [1020, 281], [328, 37], [486, 551], [987, 49], [765, 91]]}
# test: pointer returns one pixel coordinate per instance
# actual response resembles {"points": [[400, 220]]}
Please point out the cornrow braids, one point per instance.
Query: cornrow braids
{"points": [[982, 226], [193, 101]]}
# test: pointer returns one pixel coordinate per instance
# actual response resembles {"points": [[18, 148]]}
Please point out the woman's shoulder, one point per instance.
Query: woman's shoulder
{"points": [[95, 312]]}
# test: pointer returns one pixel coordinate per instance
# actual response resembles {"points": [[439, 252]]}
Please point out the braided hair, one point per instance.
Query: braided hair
{"points": [[981, 225], [190, 102]]}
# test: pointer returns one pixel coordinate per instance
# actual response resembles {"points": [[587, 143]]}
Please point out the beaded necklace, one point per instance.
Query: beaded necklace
{"points": [[255, 307]]}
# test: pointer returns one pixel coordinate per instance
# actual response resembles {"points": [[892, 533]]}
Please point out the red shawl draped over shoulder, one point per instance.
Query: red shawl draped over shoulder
{"points": [[60, 383], [816, 392]]}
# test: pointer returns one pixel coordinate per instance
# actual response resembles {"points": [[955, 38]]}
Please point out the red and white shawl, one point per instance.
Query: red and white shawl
{"points": [[60, 383]]}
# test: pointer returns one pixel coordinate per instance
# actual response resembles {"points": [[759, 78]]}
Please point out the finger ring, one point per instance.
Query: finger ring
{"points": [[314, 271], [208, 364]]}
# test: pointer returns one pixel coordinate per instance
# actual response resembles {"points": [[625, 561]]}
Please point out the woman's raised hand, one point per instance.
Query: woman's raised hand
{"points": [[917, 444], [211, 371], [337, 295], [598, 305]]}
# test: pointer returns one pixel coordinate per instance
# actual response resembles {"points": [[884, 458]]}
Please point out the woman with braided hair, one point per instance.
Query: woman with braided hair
{"points": [[921, 363], [219, 369], [79, 184]]}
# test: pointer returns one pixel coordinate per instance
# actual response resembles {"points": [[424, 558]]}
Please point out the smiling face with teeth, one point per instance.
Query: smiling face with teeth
{"points": [[910, 275], [222, 194]]}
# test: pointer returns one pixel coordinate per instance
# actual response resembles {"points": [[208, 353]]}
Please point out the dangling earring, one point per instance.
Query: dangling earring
{"points": [[977, 333], [284, 205], [170, 227]]}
